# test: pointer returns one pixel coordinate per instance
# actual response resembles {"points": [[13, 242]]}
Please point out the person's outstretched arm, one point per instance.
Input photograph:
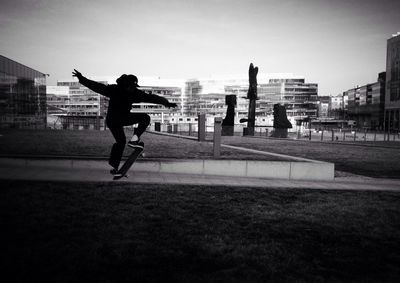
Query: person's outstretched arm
{"points": [[153, 98], [95, 86]]}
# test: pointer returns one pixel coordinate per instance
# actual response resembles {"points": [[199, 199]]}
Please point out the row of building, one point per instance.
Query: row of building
{"points": [[194, 97], [362, 104], [26, 101], [375, 105]]}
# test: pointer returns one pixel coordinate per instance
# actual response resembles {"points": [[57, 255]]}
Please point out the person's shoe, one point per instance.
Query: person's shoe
{"points": [[115, 173], [136, 144]]}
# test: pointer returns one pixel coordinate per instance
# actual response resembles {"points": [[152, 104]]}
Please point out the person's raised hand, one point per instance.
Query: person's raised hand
{"points": [[77, 74]]}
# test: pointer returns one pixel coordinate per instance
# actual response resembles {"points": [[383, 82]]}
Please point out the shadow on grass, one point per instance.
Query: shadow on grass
{"points": [[104, 232]]}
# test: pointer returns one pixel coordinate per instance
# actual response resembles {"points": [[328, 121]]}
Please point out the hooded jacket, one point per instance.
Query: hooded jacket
{"points": [[121, 99]]}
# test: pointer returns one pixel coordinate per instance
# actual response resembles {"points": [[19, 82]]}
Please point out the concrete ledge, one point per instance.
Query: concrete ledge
{"points": [[312, 171], [225, 167], [176, 166], [148, 166], [290, 170], [272, 169], [172, 135]]}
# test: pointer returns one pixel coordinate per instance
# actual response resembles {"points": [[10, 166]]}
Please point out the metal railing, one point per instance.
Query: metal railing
{"points": [[333, 134]]}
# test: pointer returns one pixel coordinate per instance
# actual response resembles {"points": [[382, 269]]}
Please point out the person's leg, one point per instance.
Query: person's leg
{"points": [[118, 147], [143, 121]]}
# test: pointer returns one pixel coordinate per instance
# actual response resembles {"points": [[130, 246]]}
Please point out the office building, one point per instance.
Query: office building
{"points": [[171, 89], [74, 106], [323, 106], [196, 96], [208, 96], [392, 96], [22, 96], [366, 104], [336, 107]]}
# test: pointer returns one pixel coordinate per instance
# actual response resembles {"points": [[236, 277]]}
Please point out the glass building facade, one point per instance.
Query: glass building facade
{"points": [[22, 96], [392, 96]]}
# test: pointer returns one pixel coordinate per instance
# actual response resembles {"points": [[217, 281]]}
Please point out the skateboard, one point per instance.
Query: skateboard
{"points": [[137, 151]]}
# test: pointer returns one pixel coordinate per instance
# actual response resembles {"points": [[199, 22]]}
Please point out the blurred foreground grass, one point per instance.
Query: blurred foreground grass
{"points": [[114, 232]]}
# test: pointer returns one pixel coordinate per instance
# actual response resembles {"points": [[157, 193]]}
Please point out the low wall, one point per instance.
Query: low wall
{"points": [[292, 170]]}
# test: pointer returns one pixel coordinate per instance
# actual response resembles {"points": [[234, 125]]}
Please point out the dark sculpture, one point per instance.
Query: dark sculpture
{"points": [[281, 122], [252, 97], [252, 92], [229, 122]]}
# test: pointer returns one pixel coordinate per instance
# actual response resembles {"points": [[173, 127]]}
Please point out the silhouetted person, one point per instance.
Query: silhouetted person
{"points": [[122, 95]]}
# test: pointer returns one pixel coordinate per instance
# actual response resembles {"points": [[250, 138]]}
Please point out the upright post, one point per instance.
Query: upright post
{"points": [[217, 137], [157, 126], [322, 135], [398, 122], [384, 125], [201, 127], [389, 126], [97, 122]]}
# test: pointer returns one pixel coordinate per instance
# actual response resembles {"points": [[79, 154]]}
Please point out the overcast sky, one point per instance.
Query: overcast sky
{"points": [[337, 44]]}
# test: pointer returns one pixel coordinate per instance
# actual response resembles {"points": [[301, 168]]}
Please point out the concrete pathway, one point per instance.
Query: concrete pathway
{"points": [[96, 174]]}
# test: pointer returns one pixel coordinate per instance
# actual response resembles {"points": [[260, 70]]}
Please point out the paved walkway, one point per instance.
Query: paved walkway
{"points": [[63, 173]]}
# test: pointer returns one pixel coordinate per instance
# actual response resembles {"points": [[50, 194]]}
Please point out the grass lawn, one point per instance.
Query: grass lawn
{"points": [[102, 232], [98, 143], [378, 162]]}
